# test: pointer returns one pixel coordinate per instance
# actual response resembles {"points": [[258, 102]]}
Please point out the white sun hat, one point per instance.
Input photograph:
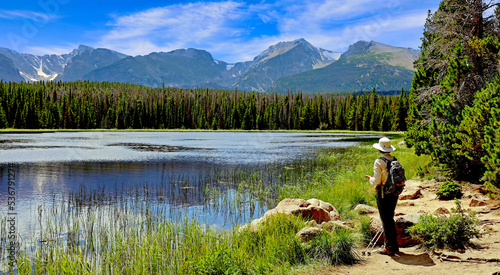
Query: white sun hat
{"points": [[384, 145]]}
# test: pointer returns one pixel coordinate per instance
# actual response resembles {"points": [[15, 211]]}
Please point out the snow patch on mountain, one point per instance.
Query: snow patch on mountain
{"points": [[42, 75]]}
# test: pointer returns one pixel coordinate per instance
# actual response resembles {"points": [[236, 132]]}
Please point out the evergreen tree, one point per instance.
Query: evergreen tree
{"points": [[454, 64], [3, 118]]}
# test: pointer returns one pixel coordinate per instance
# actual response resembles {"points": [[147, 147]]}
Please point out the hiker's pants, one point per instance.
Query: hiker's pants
{"points": [[386, 208]]}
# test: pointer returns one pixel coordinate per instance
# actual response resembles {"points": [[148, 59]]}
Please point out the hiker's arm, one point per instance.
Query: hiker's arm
{"points": [[377, 174]]}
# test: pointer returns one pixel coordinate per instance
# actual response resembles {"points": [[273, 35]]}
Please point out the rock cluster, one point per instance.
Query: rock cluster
{"points": [[320, 215], [313, 209], [323, 216]]}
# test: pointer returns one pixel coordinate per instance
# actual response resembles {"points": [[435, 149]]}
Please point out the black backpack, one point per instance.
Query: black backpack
{"points": [[396, 178]]}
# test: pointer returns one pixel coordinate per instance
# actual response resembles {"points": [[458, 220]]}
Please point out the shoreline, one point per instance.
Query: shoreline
{"points": [[27, 131]]}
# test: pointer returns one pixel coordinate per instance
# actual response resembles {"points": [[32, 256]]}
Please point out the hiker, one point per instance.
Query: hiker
{"points": [[386, 203]]}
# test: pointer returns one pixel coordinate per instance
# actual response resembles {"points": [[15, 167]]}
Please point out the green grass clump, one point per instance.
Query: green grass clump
{"points": [[449, 190], [439, 232], [364, 229], [335, 248]]}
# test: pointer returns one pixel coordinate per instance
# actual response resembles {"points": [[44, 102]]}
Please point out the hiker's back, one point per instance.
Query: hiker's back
{"points": [[396, 178]]}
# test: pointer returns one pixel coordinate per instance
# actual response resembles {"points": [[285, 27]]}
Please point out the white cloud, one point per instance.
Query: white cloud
{"points": [[30, 15], [225, 28], [380, 26], [173, 26]]}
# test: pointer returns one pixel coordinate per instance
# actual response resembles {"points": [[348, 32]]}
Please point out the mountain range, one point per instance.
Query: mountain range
{"points": [[287, 66]]}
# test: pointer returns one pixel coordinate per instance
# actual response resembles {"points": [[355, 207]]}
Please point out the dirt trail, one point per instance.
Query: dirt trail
{"points": [[485, 259]]}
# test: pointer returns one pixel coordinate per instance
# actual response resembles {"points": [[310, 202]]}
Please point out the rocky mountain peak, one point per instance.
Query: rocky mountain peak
{"points": [[81, 49], [359, 47], [281, 48], [192, 53]]}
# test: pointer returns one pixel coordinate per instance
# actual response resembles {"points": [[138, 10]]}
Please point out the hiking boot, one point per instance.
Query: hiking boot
{"points": [[387, 252]]}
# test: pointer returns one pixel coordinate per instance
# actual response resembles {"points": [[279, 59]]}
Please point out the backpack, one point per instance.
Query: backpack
{"points": [[396, 178]]}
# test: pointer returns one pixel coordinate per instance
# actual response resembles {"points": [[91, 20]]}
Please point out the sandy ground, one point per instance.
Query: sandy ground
{"points": [[484, 259]]}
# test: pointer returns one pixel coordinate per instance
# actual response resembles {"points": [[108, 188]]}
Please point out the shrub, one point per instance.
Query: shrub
{"points": [[334, 247], [454, 231], [449, 190]]}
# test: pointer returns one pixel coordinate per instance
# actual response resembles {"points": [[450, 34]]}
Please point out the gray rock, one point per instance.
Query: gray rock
{"points": [[308, 233], [365, 209]]}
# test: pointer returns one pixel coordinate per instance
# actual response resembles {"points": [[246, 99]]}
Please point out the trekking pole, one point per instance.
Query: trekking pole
{"points": [[373, 242]]}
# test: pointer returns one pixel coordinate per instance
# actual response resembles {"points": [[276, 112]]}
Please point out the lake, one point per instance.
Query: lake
{"points": [[173, 174]]}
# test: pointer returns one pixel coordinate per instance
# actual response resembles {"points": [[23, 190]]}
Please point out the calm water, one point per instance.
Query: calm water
{"points": [[176, 167]]}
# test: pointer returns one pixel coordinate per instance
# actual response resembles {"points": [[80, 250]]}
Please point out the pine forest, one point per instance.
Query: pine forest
{"points": [[104, 105]]}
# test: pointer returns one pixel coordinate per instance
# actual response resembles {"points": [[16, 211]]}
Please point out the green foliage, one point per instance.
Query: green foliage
{"points": [[480, 134], [449, 190], [452, 104], [335, 247], [453, 232], [221, 260], [90, 105], [364, 228]]}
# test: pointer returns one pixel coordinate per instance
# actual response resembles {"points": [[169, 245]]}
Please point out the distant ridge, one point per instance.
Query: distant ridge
{"points": [[8, 71], [364, 66], [280, 60], [286, 66]]}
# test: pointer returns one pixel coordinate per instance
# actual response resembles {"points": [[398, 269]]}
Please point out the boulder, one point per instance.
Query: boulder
{"points": [[403, 222], [365, 209], [375, 224], [410, 193], [313, 209], [256, 223], [333, 225], [312, 213], [292, 204], [325, 205], [334, 215], [308, 233], [314, 201], [476, 202]]}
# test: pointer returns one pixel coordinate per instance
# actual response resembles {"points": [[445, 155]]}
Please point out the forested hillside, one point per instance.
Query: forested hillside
{"points": [[352, 73], [89, 105]]}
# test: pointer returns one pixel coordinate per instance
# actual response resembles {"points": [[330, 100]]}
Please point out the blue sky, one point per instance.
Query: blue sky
{"points": [[230, 30]]}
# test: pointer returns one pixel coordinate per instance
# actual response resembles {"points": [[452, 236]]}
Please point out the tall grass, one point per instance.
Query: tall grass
{"points": [[340, 179], [93, 232]]}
